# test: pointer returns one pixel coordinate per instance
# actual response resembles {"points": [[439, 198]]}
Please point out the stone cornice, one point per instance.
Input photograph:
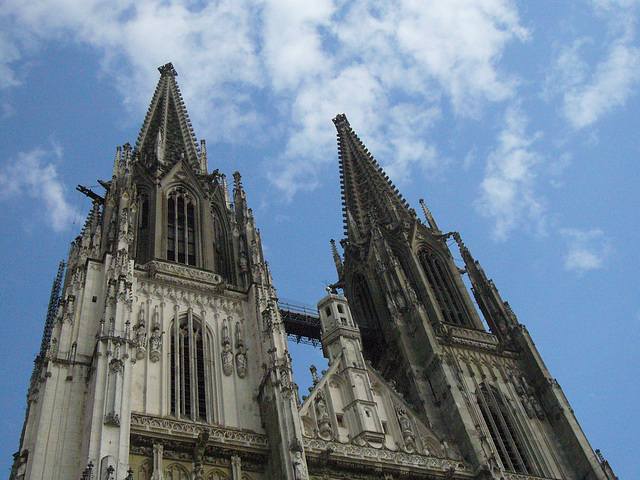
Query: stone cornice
{"points": [[351, 454], [182, 275], [217, 434], [468, 337]]}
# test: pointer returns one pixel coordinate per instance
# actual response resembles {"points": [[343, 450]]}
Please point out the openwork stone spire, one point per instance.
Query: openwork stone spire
{"points": [[167, 135], [368, 196]]}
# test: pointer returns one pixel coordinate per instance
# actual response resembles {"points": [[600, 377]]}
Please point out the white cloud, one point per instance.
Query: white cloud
{"points": [[608, 4], [9, 54], [244, 57], [34, 175], [615, 79], [594, 76], [507, 192], [587, 250]]}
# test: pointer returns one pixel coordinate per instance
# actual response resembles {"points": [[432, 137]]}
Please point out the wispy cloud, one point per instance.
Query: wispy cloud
{"points": [[369, 59], [593, 77], [587, 250], [33, 174], [507, 193], [9, 53], [612, 83]]}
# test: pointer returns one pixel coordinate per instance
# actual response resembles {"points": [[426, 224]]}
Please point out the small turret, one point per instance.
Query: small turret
{"points": [[341, 342]]}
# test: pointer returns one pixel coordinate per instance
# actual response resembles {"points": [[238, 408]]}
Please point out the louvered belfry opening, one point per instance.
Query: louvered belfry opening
{"points": [[181, 227], [441, 283], [505, 436], [143, 234]]}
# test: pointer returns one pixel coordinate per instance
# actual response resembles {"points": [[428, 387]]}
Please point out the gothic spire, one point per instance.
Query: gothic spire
{"points": [[167, 135], [367, 193]]}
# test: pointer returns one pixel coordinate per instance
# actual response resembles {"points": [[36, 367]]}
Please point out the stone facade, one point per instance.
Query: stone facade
{"points": [[167, 354]]}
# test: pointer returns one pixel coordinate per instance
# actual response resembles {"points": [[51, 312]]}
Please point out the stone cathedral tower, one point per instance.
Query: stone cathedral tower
{"points": [[166, 356]]}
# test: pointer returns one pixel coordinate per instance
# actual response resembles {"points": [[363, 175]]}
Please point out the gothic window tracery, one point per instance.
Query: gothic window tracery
{"points": [[442, 284], [221, 248], [176, 472], [145, 470], [363, 303], [142, 237], [188, 376], [508, 441], [181, 227]]}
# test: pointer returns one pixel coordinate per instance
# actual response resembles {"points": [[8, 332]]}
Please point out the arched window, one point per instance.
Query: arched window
{"points": [[142, 238], [145, 470], [176, 472], [221, 248], [188, 376], [506, 438], [442, 285], [181, 227], [362, 302]]}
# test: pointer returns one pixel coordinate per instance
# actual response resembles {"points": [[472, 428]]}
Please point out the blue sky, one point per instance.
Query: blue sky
{"points": [[516, 121]]}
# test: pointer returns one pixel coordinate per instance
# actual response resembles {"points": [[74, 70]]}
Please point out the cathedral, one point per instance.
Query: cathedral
{"points": [[165, 357]]}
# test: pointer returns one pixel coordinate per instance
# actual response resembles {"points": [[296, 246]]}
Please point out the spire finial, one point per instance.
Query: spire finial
{"points": [[336, 258], [167, 69], [427, 214], [341, 119], [237, 180]]}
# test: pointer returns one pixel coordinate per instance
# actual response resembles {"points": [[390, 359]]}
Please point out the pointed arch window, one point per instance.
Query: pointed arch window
{"points": [[176, 472], [188, 372], [363, 304], [221, 248], [142, 237], [442, 285], [508, 441], [181, 227]]}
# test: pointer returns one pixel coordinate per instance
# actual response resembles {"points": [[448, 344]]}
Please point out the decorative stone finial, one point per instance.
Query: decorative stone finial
{"points": [[167, 69], [237, 179], [340, 120]]}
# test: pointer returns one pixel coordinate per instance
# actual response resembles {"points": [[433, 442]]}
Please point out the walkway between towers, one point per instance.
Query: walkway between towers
{"points": [[301, 323]]}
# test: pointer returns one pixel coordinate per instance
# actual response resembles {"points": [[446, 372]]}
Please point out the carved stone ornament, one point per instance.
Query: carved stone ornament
{"points": [[348, 452], [408, 437], [241, 356], [227, 359], [299, 467], [112, 419], [217, 434], [116, 365], [155, 341], [241, 363], [140, 336], [87, 474], [155, 344], [324, 424]]}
